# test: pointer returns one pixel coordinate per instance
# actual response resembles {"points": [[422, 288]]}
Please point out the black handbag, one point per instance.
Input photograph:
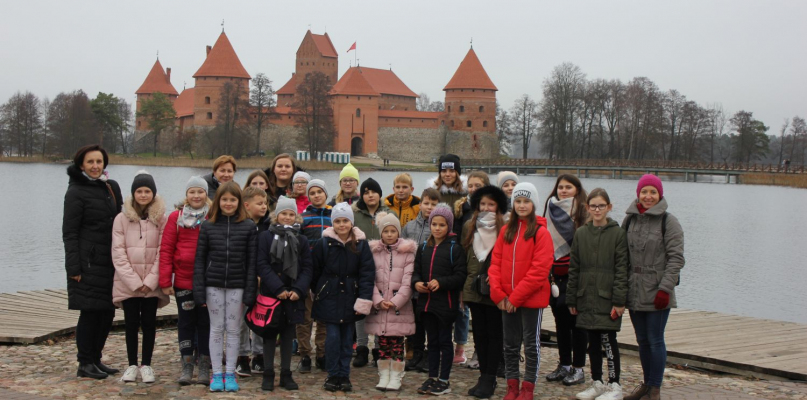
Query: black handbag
{"points": [[480, 282]]}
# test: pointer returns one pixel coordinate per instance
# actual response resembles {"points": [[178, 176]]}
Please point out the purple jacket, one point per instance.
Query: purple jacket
{"points": [[394, 266]]}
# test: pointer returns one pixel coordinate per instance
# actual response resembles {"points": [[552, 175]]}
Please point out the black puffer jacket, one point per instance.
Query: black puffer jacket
{"points": [[212, 185], [90, 208], [344, 280], [446, 263], [273, 281], [226, 257]]}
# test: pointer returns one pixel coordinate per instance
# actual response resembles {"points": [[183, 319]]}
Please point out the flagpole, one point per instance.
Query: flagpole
{"points": [[355, 54]]}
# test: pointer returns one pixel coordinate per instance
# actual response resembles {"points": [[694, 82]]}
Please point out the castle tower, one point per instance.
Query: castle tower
{"points": [[157, 81], [316, 53], [355, 114], [220, 66], [471, 98]]}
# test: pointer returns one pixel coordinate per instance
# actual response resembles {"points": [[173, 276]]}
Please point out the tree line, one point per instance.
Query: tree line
{"points": [[580, 118]]}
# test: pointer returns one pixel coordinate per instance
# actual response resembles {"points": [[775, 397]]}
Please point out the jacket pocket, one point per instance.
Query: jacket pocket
{"points": [[322, 291]]}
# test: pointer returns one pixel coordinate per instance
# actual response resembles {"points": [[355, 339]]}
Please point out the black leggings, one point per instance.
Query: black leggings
{"points": [[488, 336], [140, 312], [441, 346], [572, 341], [92, 331], [193, 324], [599, 342], [418, 339], [287, 335]]}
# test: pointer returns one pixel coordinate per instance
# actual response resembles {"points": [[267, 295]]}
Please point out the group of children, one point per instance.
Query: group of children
{"points": [[404, 269]]}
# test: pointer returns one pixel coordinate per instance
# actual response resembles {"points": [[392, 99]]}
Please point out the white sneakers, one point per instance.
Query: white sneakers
{"points": [[147, 374], [601, 391], [130, 375], [145, 371]]}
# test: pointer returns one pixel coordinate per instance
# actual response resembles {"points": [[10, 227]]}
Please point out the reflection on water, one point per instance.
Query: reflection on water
{"points": [[745, 246]]}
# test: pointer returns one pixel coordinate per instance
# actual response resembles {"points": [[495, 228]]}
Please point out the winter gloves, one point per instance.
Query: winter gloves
{"points": [[662, 300]]}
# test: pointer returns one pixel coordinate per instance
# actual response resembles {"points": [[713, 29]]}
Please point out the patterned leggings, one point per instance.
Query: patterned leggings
{"points": [[391, 347], [226, 311]]}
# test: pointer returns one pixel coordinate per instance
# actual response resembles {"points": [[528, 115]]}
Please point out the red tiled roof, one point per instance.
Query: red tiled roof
{"points": [[183, 105], [290, 87], [470, 75], [409, 114], [324, 45], [354, 82], [385, 81], [157, 81], [222, 61]]}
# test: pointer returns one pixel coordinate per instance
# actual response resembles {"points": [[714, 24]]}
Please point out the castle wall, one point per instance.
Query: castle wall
{"points": [[426, 144], [463, 106]]}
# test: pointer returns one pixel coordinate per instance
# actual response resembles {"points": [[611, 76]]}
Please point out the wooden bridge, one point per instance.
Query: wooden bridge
{"points": [[710, 340], [619, 168]]}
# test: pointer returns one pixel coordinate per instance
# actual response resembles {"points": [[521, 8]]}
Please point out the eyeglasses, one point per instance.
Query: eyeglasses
{"points": [[301, 183], [595, 207], [349, 181]]}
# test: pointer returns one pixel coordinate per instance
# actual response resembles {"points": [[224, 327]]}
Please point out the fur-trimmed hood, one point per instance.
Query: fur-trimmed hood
{"points": [[156, 212], [402, 246], [330, 233], [444, 189]]}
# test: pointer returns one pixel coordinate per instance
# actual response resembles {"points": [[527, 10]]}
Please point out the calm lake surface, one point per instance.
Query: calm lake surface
{"points": [[745, 246]]}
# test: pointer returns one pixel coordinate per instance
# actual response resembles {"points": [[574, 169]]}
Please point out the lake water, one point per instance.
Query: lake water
{"points": [[745, 246]]}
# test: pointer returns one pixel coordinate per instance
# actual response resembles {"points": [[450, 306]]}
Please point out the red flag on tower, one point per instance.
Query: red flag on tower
{"points": [[353, 47]]}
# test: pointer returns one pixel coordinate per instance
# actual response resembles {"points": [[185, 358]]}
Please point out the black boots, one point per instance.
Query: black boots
{"points": [[486, 387], [90, 371], [268, 383], [305, 365], [417, 356], [362, 355], [376, 356], [105, 369], [286, 381]]}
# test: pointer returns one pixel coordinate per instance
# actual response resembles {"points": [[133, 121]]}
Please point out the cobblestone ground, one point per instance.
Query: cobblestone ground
{"points": [[49, 371]]}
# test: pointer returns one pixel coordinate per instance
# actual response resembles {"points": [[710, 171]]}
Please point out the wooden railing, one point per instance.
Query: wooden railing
{"points": [[646, 164]]}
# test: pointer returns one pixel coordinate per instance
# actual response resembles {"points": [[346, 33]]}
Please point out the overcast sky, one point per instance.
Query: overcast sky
{"points": [[749, 55]]}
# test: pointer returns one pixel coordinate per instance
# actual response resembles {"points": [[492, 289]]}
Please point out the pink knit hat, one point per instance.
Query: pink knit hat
{"points": [[443, 210], [650, 180]]}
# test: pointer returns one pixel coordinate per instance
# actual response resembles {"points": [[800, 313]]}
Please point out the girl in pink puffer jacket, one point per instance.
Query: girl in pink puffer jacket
{"points": [[393, 317], [136, 236]]}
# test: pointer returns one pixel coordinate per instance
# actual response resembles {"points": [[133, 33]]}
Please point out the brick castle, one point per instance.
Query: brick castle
{"points": [[374, 112]]}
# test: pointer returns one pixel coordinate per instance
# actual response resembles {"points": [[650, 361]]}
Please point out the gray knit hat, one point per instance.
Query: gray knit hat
{"points": [[443, 210], [525, 189], [342, 210], [505, 176], [285, 203], [301, 174], [196, 182], [316, 183]]}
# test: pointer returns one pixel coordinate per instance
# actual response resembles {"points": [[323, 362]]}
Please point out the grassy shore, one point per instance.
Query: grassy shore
{"points": [[789, 180]]}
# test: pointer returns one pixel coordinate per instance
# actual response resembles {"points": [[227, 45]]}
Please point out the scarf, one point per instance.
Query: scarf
{"points": [[284, 248], [561, 226], [485, 235], [191, 217], [103, 178]]}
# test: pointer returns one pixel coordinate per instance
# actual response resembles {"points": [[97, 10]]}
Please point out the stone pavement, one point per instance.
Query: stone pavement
{"points": [[48, 371]]}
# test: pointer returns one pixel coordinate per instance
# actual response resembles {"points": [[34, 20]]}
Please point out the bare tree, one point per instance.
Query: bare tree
{"points": [[22, 119], [423, 102], [782, 139], [232, 120], [504, 130], [717, 124], [525, 122], [262, 99], [72, 122], [313, 112]]}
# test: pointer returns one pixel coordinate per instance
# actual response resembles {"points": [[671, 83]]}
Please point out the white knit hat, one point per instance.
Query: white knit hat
{"points": [[196, 182], [384, 219], [505, 176], [285, 203], [342, 210], [525, 189], [301, 174]]}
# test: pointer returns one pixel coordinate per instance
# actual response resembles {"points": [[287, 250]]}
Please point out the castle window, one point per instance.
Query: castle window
{"points": [[452, 123], [289, 116], [358, 113], [468, 123], [207, 99], [449, 108], [462, 108], [210, 115], [139, 123], [481, 108], [484, 124], [443, 122]]}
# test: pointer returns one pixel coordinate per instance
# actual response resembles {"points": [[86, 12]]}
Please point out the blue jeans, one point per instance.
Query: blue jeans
{"points": [[461, 325], [338, 349], [649, 327]]}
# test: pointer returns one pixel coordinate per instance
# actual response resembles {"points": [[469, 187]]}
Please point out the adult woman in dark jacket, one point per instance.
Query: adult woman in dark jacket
{"points": [[90, 205]]}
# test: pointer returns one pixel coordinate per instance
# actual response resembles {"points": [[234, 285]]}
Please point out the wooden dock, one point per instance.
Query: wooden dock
{"points": [[38, 315], [722, 342]]}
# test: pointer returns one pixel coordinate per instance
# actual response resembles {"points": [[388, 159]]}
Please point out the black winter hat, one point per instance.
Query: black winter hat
{"points": [[370, 184], [142, 179], [450, 161], [494, 192]]}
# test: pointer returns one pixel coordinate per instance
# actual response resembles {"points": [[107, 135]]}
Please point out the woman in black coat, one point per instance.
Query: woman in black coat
{"points": [[90, 205], [285, 268]]}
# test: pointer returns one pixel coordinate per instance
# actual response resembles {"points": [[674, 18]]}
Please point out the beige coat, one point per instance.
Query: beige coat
{"points": [[135, 252]]}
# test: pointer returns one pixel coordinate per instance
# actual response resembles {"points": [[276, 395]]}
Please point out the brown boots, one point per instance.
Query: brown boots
{"points": [[644, 392]]}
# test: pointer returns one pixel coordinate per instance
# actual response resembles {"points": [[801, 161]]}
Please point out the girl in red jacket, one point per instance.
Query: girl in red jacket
{"points": [[177, 255], [519, 285]]}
